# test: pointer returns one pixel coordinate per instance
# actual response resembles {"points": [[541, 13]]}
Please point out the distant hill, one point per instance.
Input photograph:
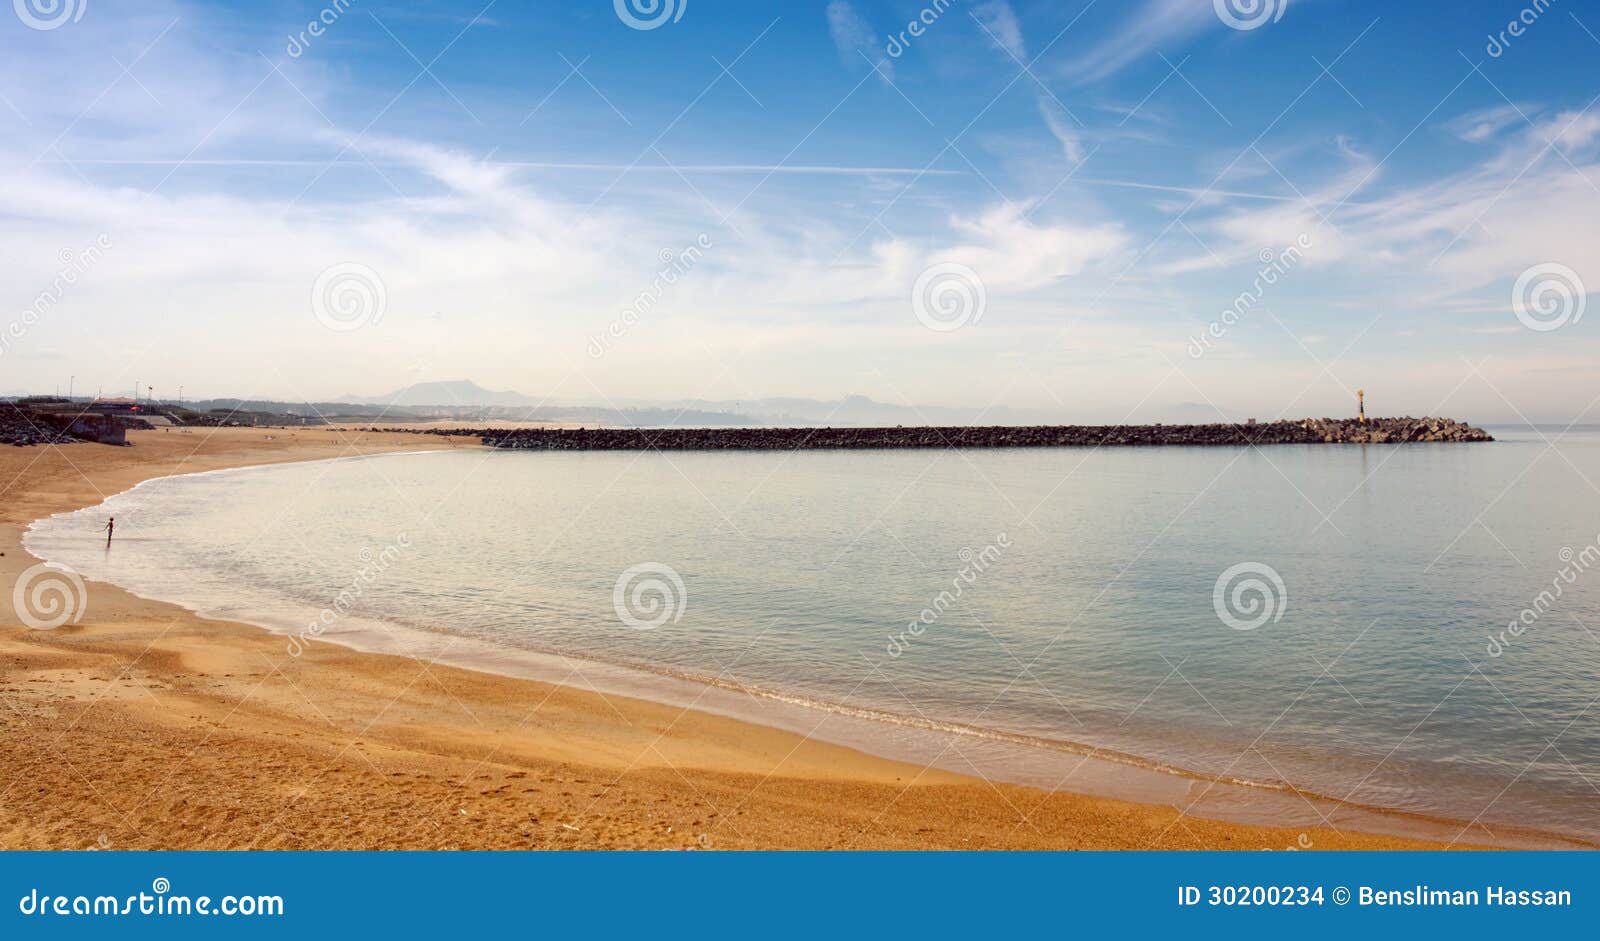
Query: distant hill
{"points": [[330, 410], [862, 411], [464, 398], [850, 410], [454, 393]]}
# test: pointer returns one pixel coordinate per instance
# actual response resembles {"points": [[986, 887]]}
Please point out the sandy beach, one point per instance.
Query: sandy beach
{"points": [[147, 727]]}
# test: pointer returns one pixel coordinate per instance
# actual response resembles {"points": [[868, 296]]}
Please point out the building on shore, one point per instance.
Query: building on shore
{"points": [[115, 406]]}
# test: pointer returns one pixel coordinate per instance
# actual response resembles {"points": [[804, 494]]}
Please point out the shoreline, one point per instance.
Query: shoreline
{"points": [[773, 750], [1011, 757]]}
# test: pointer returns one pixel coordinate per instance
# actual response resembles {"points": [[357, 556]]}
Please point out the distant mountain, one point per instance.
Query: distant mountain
{"points": [[454, 393], [464, 398], [862, 411]]}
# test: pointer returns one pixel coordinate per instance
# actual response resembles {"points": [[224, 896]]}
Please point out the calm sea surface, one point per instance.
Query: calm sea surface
{"points": [[1026, 596]]}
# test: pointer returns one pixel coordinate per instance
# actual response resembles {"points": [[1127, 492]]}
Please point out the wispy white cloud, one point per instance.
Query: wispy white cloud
{"points": [[1479, 126], [1452, 244], [1152, 27], [1060, 125], [1013, 251], [855, 39], [998, 22]]}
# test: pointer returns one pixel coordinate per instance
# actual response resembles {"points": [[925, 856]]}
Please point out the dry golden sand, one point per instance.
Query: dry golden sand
{"points": [[146, 727]]}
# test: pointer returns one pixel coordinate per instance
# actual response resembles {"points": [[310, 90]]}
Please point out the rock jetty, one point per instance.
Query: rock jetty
{"points": [[23, 426], [1305, 431]]}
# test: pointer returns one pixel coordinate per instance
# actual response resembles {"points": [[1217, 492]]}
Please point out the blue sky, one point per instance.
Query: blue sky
{"points": [[752, 199]]}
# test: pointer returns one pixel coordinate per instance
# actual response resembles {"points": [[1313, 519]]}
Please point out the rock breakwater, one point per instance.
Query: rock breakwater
{"points": [[1304, 431]]}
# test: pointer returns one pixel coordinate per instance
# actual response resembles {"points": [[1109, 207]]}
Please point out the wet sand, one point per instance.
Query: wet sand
{"points": [[147, 727]]}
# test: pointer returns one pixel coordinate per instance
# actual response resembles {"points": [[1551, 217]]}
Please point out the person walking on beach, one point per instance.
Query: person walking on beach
{"points": [[111, 525]]}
